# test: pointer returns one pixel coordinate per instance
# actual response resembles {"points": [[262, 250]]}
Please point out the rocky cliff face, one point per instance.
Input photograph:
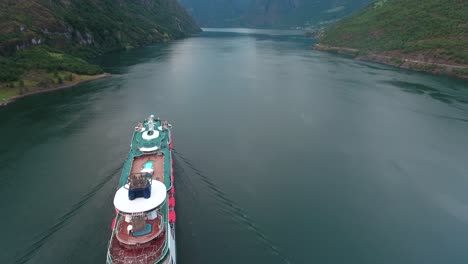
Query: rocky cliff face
{"points": [[269, 13], [217, 13], [77, 26]]}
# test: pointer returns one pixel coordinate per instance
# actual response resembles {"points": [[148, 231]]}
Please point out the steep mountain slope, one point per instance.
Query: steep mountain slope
{"points": [[418, 34], [102, 25], [43, 42], [269, 13], [217, 13]]}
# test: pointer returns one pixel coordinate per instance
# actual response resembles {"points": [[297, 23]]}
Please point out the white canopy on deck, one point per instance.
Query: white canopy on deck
{"points": [[140, 205]]}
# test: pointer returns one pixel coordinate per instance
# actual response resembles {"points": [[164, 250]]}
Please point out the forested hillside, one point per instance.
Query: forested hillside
{"points": [[407, 31]]}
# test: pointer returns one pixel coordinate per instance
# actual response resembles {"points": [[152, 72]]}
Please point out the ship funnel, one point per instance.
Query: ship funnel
{"points": [[138, 205], [139, 185]]}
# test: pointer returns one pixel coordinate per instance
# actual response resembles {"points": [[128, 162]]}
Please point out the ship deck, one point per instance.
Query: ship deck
{"points": [[158, 165]]}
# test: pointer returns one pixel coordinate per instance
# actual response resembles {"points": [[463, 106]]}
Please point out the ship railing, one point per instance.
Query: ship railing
{"points": [[138, 214]]}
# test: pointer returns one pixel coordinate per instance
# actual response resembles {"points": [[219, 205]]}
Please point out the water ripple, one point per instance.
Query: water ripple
{"points": [[231, 208], [42, 238]]}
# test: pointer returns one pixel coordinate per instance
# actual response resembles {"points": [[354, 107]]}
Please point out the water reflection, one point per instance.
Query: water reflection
{"points": [[120, 61], [448, 94]]}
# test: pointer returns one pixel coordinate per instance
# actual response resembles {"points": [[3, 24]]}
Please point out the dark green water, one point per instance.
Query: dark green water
{"points": [[283, 155]]}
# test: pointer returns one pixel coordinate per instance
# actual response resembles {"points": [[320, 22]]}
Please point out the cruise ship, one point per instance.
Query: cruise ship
{"points": [[143, 230]]}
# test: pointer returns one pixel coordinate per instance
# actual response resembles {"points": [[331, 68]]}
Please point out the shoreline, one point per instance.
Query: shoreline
{"points": [[56, 88], [404, 62]]}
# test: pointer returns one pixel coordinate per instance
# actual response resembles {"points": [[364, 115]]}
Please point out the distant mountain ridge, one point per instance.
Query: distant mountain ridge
{"points": [[269, 13]]}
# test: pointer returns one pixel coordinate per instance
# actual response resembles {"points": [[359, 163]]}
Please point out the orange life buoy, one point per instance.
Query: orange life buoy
{"points": [[171, 202], [172, 216]]}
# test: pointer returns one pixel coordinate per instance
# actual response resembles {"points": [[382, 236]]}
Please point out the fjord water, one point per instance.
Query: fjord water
{"points": [[282, 155]]}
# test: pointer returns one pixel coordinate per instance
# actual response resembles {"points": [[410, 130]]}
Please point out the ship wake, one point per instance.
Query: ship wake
{"points": [[42, 238], [229, 206]]}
